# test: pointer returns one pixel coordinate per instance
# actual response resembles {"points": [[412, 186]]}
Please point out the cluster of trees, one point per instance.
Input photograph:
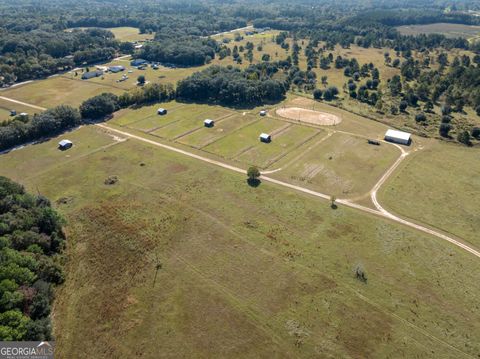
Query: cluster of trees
{"points": [[31, 240], [233, 87], [49, 123], [183, 52], [39, 53]]}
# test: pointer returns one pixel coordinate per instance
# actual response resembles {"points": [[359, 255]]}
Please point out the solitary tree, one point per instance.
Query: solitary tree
{"points": [[464, 137], [253, 175], [141, 80]]}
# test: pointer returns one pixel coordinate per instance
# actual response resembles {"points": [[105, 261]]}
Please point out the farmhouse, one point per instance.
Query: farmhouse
{"points": [[117, 68], [398, 137], [92, 74], [162, 111], [208, 123], [64, 145], [265, 137], [138, 62]]}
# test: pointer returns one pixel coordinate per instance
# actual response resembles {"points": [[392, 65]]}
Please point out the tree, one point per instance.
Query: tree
{"points": [[253, 174], [444, 129], [476, 133], [420, 117], [395, 85], [317, 94], [403, 105], [464, 137], [141, 80]]}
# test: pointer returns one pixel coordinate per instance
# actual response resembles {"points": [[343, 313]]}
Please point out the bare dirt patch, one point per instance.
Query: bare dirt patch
{"points": [[309, 116]]}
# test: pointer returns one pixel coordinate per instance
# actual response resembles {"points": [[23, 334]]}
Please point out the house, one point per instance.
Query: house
{"points": [[263, 113], [208, 123], [395, 136], [265, 137], [92, 74], [117, 68], [64, 145], [138, 62], [162, 111]]}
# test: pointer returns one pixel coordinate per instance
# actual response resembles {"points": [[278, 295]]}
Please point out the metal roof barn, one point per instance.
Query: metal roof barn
{"points": [[208, 123], [65, 144], [265, 137], [395, 136]]}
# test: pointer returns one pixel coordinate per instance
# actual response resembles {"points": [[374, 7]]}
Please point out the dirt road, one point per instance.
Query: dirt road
{"points": [[381, 212]]}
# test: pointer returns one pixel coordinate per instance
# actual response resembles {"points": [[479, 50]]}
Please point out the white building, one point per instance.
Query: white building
{"points": [[65, 144], [263, 113], [265, 137], [403, 138], [208, 123], [162, 111]]}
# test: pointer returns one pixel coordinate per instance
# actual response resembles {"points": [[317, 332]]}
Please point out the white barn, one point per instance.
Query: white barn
{"points": [[265, 137], [401, 137]]}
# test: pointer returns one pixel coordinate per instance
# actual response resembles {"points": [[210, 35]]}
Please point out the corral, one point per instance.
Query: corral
{"points": [[309, 116]]}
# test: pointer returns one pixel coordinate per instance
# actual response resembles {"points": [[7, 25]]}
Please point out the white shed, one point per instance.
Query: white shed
{"points": [[265, 137], [403, 138], [263, 113], [162, 111], [65, 144], [208, 123]]}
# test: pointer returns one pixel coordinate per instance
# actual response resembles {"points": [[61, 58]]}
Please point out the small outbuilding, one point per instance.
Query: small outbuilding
{"points": [[117, 68], [400, 137], [91, 74], [138, 62], [161, 111], [13, 113], [263, 113], [208, 123], [23, 115], [65, 145], [265, 137]]}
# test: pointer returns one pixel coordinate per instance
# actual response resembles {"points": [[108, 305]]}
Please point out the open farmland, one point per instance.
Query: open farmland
{"points": [[341, 165], [58, 90], [449, 30], [439, 186], [129, 34], [163, 256]]}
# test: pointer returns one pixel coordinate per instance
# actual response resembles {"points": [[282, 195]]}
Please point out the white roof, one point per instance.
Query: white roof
{"points": [[263, 111], [398, 134], [24, 114], [264, 135], [208, 121], [161, 109], [64, 142]]}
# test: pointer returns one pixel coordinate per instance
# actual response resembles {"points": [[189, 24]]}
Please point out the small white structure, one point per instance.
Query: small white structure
{"points": [[65, 145], [162, 111], [403, 138], [23, 114], [265, 137], [263, 113], [208, 123]]}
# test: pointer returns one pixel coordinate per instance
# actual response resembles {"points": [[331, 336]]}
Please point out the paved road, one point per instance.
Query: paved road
{"points": [[380, 212]]}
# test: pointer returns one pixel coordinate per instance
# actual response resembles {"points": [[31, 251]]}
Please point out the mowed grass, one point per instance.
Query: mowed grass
{"points": [[126, 33], [215, 268], [56, 91], [440, 186], [245, 138], [265, 154], [341, 165], [205, 136]]}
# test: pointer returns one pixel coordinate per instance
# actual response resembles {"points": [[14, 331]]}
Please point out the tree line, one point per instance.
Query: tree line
{"points": [[31, 242]]}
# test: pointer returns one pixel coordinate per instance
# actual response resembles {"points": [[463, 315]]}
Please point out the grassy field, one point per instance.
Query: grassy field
{"points": [[7, 106], [129, 34], [59, 90], [439, 186], [449, 30], [341, 165], [183, 259]]}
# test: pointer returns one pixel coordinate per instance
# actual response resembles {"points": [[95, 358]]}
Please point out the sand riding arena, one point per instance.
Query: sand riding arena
{"points": [[309, 116]]}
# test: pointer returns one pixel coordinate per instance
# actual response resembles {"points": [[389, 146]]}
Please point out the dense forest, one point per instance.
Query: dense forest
{"points": [[233, 87], [37, 40], [31, 240]]}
